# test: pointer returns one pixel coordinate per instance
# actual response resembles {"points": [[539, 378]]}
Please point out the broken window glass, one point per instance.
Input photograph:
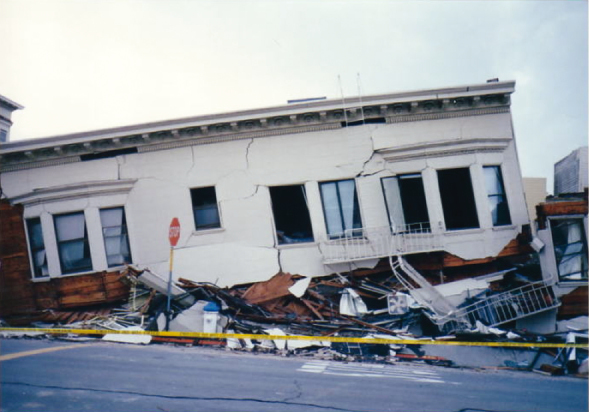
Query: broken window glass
{"points": [[496, 194], [341, 208], [570, 248], [116, 239], [291, 214], [37, 248], [72, 243], [405, 202], [205, 208], [458, 202]]}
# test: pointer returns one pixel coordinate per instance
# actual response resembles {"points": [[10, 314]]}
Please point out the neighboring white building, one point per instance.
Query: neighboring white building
{"points": [[535, 193], [310, 188], [7, 106], [570, 173]]}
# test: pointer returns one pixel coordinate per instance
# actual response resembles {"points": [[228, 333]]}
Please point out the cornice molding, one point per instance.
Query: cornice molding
{"points": [[446, 115], [69, 192], [40, 163], [299, 118], [445, 148], [232, 137]]}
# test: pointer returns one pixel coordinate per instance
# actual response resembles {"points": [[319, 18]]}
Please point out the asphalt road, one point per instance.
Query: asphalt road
{"points": [[43, 375]]}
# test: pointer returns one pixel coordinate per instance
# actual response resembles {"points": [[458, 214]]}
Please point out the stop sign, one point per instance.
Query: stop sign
{"points": [[174, 232]]}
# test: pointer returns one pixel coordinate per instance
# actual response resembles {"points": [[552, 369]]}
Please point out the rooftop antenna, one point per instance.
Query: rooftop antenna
{"points": [[341, 89], [359, 84]]}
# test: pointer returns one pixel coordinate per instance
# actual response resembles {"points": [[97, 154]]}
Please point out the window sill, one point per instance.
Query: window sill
{"points": [[208, 231], [42, 280], [503, 227], [89, 272], [458, 232], [296, 245]]}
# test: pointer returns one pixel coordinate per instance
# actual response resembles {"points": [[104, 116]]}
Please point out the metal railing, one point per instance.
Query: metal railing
{"points": [[378, 242], [503, 307]]}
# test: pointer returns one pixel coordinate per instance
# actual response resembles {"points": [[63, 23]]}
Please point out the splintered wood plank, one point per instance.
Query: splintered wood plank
{"points": [[314, 310], [274, 288]]}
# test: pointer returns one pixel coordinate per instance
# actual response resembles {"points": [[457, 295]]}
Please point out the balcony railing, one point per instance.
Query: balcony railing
{"points": [[502, 308], [378, 242]]}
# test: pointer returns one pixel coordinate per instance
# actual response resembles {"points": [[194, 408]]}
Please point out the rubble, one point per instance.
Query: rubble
{"points": [[355, 304]]}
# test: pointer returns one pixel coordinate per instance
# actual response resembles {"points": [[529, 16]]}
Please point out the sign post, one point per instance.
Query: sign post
{"points": [[173, 236]]}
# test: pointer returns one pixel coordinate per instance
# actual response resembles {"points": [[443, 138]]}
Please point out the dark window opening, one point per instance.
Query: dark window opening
{"points": [[72, 243], [341, 208], [291, 214], [205, 208], [372, 120], [37, 248], [406, 203], [108, 154], [496, 194], [570, 248], [116, 238], [458, 202]]}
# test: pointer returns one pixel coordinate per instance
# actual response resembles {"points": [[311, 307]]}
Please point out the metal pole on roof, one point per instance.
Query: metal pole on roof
{"points": [[359, 84], [339, 80]]}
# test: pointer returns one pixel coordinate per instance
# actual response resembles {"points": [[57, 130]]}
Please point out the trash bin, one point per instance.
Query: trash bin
{"points": [[210, 318]]}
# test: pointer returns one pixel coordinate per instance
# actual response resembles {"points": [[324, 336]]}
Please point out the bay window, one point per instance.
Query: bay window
{"points": [[405, 202], [37, 248], [116, 239], [570, 248], [72, 243], [341, 208], [496, 195]]}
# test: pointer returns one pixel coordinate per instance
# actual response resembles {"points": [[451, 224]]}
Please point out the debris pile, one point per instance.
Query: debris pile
{"points": [[356, 304]]}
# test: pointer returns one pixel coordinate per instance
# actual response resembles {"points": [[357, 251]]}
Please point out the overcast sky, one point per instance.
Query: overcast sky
{"points": [[93, 64]]}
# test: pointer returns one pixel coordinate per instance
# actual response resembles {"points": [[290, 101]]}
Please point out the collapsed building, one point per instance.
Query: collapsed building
{"points": [[412, 199]]}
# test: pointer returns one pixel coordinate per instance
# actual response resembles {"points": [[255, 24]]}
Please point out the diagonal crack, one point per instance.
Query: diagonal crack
{"points": [[181, 397]]}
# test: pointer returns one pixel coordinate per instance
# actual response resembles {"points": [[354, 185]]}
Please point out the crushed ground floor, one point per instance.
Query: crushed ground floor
{"points": [[362, 303]]}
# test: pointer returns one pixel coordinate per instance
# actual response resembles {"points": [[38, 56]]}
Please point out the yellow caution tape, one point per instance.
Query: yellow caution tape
{"points": [[202, 335]]}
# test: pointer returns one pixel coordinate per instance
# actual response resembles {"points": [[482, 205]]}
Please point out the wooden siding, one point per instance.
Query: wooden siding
{"points": [[574, 304], [19, 295]]}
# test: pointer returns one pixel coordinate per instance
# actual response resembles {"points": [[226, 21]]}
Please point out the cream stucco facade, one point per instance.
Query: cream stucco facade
{"points": [[151, 170]]}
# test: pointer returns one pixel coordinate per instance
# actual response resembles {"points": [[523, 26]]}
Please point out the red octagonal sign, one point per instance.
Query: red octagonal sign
{"points": [[174, 233]]}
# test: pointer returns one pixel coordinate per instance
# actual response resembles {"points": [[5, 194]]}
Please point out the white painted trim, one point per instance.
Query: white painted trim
{"points": [[444, 148], [212, 231], [74, 191]]}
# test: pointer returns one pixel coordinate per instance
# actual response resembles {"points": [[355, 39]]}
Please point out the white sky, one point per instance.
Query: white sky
{"points": [[93, 64]]}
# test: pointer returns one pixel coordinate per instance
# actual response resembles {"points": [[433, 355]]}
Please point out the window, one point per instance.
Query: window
{"points": [[116, 239], [458, 202], [570, 248], [341, 209], [405, 202], [72, 243], [37, 248], [291, 214], [496, 194], [204, 207], [3, 136]]}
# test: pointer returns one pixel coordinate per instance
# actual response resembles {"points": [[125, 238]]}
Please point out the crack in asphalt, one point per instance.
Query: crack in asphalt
{"points": [[182, 397], [479, 410], [299, 393]]}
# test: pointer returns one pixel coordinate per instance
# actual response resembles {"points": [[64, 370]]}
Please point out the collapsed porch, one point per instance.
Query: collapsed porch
{"points": [[396, 242]]}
